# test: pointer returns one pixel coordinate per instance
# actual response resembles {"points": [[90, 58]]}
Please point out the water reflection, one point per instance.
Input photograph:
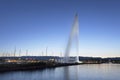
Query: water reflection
{"points": [[71, 73], [66, 73], [79, 72]]}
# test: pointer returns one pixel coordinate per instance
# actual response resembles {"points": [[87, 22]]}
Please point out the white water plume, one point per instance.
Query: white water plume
{"points": [[74, 35]]}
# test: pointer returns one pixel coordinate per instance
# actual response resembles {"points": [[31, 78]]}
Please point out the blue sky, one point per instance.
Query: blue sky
{"points": [[37, 24]]}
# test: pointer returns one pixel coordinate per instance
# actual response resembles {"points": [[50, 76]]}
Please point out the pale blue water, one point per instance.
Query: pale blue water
{"points": [[77, 72]]}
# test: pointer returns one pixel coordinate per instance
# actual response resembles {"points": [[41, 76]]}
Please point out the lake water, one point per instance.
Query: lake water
{"points": [[77, 72]]}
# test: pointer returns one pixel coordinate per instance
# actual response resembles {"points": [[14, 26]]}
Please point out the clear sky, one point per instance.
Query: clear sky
{"points": [[37, 24]]}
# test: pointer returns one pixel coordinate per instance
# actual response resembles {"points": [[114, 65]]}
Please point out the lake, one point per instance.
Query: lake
{"points": [[76, 72]]}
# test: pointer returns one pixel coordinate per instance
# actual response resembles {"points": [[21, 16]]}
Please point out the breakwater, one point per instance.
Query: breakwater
{"points": [[32, 66]]}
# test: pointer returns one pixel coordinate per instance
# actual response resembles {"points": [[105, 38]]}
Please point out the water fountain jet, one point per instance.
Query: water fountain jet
{"points": [[73, 35]]}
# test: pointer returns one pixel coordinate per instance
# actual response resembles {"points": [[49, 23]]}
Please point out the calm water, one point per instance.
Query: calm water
{"points": [[78, 72]]}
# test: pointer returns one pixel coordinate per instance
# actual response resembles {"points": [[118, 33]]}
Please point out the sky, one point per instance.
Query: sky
{"points": [[34, 25]]}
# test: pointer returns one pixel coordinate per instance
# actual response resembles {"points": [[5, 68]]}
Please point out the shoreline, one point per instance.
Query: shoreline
{"points": [[36, 66], [32, 66]]}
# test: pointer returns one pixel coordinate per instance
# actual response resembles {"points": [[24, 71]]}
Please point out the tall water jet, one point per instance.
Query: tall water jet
{"points": [[74, 34]]}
